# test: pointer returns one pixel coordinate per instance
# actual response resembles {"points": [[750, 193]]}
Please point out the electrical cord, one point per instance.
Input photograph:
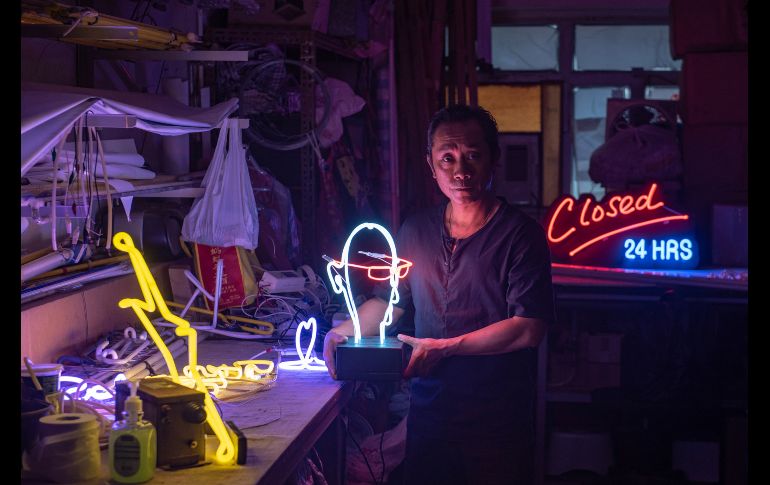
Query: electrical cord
{"points": [[366, 461], [382, 459]]}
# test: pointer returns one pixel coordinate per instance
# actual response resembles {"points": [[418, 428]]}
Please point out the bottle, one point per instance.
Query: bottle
{"points": [[133, 447]]}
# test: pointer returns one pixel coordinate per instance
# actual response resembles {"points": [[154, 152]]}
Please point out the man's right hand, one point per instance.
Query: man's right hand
{"points": [[331, 341]]}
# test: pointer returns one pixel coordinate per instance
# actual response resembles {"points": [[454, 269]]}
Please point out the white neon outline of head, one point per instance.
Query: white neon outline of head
{"points": [[306, 360], [347, 291]]}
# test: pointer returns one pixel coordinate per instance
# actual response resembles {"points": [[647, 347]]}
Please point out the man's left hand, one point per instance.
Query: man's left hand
{"points": [[426, 353]]}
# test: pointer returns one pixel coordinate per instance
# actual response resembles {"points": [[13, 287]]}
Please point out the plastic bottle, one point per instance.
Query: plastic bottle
{"points": [[133, 448]]}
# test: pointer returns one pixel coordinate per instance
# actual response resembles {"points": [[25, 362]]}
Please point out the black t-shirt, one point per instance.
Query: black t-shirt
{"points": [[502, 270]]}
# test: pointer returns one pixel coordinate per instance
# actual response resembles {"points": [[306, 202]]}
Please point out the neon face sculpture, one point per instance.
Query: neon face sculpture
{"points": [[396, 269], [307, 360]]}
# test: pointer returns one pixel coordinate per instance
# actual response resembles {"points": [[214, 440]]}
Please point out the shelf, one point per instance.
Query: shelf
{"points": [[266, 34], [718, 278], [89, 27], [91, 32], [191, 56], [162, 184]]}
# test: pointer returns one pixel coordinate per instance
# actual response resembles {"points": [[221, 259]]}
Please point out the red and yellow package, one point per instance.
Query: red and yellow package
{"points": [[239, 286]]}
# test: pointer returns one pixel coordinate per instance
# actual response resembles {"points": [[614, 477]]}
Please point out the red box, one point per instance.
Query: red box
{"points": [[708, 26], [715, 89]]}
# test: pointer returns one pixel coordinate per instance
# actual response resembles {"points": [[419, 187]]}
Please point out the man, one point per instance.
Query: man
{"points": [[482, 294]]}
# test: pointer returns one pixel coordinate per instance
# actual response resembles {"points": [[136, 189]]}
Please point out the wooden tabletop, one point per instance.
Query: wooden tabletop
{"points": [[281, 423]]}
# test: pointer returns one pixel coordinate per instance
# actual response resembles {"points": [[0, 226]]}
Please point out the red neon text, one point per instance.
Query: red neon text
{"points": [[591, 213]]}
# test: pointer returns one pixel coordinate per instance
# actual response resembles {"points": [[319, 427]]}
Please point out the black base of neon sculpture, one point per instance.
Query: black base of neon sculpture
{"points": [[370, 359]]}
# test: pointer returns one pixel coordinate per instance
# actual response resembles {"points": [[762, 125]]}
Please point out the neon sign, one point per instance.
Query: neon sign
{"points": [[307, 360], [226, 452], [395, 269], [659, 249], [652, 234]]}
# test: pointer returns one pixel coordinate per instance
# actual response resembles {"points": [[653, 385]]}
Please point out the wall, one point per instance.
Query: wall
{"points": [[712, 39], [68, 324]]}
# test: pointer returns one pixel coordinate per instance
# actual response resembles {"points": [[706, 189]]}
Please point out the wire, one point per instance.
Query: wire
{"points": [[157, 88], [382, 459], [347, 430]]}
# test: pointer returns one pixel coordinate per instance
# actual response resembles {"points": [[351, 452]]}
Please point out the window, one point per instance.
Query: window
{"points": [[526, 48], [588, 128], [661, 92], [515, 108], [622, 48]]}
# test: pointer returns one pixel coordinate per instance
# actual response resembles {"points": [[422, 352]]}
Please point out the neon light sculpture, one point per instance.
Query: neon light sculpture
{"points": [[616, 207], [307, 360], [576, 227], [216, 378], [97, 392], [225, 453], [397, 269]]}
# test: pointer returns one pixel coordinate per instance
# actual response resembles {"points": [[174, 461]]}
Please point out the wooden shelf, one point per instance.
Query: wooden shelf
{"points": [[142, 188]]}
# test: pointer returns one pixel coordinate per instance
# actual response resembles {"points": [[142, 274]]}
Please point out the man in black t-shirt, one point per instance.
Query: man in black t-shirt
{"points": [[482, 296]]}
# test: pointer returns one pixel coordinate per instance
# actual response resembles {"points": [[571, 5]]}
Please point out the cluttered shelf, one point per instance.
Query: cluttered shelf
{"points": [[156, 187], [88, 27]]}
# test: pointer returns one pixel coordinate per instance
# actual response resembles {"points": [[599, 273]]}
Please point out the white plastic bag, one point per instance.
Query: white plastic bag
{"points": [[226, 215]]}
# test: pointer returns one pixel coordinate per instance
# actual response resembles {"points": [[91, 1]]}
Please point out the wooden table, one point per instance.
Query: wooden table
{"points": [[297, 410]]}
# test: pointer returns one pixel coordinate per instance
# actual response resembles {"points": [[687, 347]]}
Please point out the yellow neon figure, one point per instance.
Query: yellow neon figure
{"points": [[225, 453]]}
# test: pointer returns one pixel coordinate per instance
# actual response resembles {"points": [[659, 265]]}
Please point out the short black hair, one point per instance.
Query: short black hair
{"points": [[459, 113]]}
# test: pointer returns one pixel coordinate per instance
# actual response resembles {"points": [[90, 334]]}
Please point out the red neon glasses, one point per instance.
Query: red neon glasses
{"points": [[380, 272]]}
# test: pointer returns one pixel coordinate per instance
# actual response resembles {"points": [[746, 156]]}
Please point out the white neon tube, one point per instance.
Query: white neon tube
{"points": [[347, 291], [307, 360]]}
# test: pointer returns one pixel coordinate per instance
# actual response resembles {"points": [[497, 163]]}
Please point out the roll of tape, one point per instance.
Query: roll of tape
{"points": [[68, 447]]}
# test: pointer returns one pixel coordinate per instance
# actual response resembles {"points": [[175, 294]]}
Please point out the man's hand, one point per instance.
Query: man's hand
{"points": [[426, 353], [331, 341]]}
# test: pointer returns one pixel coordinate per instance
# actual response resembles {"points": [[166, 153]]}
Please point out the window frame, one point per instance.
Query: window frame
{"points": [[636, 79]]}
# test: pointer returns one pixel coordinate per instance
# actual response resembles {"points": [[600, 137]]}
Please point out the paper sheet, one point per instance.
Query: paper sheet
{"points": [[245, 415]]}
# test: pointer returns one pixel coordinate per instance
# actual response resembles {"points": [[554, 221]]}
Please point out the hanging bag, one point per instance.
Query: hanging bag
{"points": [[226, 214]]}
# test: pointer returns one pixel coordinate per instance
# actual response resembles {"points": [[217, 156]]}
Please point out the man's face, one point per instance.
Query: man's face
{"points": [[461, 161]]}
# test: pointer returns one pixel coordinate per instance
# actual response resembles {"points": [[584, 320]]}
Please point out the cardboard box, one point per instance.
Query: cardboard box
{"points": [[715, 88], [708, 26]]}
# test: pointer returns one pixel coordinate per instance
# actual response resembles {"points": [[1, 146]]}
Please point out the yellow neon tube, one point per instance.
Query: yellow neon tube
{"points": [[217, 377], [225, 453]]}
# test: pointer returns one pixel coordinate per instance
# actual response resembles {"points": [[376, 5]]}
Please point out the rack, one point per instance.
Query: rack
{"points": [[185, 185], [308, 42], [88, 27]]}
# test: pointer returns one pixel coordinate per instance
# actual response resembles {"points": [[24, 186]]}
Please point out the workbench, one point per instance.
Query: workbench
{"points": [[291, 416]]}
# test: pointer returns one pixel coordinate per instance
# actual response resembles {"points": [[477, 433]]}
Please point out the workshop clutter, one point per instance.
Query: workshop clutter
{"points": [[67, 449], [31, 412]]}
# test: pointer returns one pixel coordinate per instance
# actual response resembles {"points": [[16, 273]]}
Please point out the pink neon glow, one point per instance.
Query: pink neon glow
{"points": [[624, 229]]}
